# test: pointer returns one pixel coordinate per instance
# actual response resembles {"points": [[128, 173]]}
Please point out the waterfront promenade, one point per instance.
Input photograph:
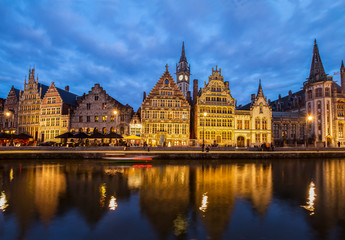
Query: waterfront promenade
{"points": [[194, 153]]}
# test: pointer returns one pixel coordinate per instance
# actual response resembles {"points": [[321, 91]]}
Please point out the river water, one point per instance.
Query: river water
{"points": [[278, 199]]}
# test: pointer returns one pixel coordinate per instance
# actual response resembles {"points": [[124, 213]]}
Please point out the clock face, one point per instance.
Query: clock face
{"points": [[180, 77], [186, 77]]}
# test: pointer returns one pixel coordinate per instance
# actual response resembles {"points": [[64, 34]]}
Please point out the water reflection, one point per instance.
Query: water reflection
{"points": [[3, 202], [208, 200], [311, 199]]}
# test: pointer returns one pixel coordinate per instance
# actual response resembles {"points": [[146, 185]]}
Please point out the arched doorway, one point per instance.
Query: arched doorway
{"points": [[104, 130], [95, 130], [81, 130], [240, 141]]}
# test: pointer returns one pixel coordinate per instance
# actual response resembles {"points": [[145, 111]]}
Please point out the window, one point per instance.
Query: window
{"points": [[318, 92], [80, 118], [239, 124], [341, 130], [257, 137], [87, 118], [57, 123], [327, 92], [264, 137], [166, 81], [264, 124], [96, 118], [104, 106], [88, 106], [246, 124], [154, 128], [154, 103], [257, 123], [310, 94], [112, 118], [104, 118], [162, 115], [96, 97], [276, 131]]}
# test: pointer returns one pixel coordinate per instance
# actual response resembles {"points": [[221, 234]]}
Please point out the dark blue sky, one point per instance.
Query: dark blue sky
{"points": [[124, 45]]}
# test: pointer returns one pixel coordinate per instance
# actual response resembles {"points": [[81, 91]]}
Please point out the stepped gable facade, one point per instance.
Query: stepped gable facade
{"points": [[99, 112], [218, 122], [165, 114], [56, 107], [10, 112], [29, 106]]}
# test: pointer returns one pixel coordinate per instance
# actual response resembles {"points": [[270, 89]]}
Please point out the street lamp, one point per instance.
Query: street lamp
{"points": [[203, 135], [309, 118], [9, 114]]}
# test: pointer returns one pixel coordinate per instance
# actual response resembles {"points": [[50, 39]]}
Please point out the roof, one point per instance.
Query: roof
{"points": [[68, 97], [44, 89], [287, 102], [288, 114]]}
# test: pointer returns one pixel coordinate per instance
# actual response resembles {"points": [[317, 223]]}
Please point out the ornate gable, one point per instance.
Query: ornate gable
{"points": [[166, 88]]}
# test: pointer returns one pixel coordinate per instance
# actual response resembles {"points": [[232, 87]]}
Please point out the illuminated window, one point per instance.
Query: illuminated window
{"points": [[104, 118], [246, 124], [239, 124], [96, 118], [257, 123]]}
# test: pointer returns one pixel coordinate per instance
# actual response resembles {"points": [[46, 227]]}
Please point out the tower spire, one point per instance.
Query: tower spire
{"points": [[342, 64], [260, 92], [317, 72], [183, 54]]}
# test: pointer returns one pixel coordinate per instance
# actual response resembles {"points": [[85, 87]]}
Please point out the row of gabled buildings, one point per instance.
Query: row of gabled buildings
{"points": [[170, 115]]}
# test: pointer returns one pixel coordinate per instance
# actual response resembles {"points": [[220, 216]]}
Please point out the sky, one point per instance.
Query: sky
{"points": [[125, 45]]}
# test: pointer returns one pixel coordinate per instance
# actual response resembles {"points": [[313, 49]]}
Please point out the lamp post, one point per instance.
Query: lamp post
{"points": [[9, 114], [115, 113], [203, 132], [309, 118]]}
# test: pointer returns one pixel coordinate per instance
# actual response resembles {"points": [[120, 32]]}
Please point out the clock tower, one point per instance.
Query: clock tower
{"points": [[183, 73]]}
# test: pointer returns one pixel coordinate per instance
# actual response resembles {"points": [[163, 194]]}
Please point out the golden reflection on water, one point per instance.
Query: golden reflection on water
{"points": [[168, 193], [311, 199], [203, 207], [11, 174], [3, 202], [102, 192], [113, 203]]}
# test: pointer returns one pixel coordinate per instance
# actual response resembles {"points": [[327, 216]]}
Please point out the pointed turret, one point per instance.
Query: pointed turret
{"points": [[342, 76], [260, 92], [183, 54], [183, 73], [317, 72]]}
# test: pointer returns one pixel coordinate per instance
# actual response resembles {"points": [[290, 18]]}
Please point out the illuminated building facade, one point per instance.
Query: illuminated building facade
{"points": [[10, 111], [99, 112], [29, 106], [56, 106], [218, 121], [165, 114], [135, 125], [319, 108]]}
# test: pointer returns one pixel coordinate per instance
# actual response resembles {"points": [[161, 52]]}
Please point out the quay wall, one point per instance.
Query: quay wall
{"points": [[166, 154]]}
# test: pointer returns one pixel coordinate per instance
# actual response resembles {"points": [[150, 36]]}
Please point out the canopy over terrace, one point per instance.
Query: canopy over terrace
{"points": [[133, 139]]}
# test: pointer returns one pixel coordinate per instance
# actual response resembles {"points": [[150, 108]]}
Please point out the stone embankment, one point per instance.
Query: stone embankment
{"points": [[195, 153]]}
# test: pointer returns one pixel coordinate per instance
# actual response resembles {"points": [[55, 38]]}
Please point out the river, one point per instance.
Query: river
{"points": [[273, 199]]}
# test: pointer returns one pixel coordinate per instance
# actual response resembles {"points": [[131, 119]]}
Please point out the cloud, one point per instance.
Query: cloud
{"points": [[124, 45]]}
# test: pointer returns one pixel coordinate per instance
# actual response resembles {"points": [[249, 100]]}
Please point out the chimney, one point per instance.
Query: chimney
{"points": [[144, 96], [290, 93], [226, 85], [280, 97], [252, 97], [67, 88], [195, 90]]}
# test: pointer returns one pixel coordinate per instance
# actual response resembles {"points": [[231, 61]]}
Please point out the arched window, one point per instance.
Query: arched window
{"points": [[104, 130], [95, 130]]}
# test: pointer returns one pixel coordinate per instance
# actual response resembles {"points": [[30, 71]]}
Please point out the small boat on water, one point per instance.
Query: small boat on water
{"points": [[122, 158]]}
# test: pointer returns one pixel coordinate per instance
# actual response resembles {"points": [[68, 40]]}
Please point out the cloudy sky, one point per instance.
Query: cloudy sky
{"points": [[124, 45]]}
